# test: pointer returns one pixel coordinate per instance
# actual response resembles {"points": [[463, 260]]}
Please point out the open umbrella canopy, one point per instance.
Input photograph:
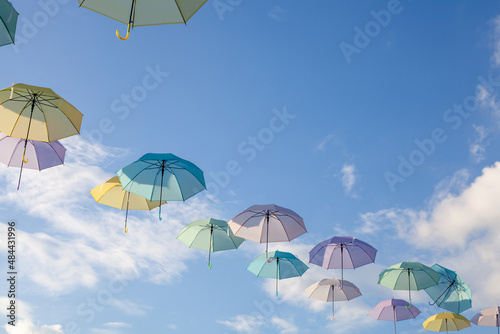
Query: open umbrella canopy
{"points": [[162, 177], [409, 276], [212, 235], [342, 252], [145, 12], [394, 310], [444, 322], [267, 223], [451, 293], [8, 18], [37, 113], [285, 265], [488, 317], [327, 290], [39, 155]]}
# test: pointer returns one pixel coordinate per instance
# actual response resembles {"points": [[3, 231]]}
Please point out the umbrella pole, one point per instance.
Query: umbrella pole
{"points": [[333, 303], [130, 22], [161, 185], [267, 238], [210, 245], [341, 266], [126, 213], [394, 310], [277, 274], [26, 141], [409, 290]]}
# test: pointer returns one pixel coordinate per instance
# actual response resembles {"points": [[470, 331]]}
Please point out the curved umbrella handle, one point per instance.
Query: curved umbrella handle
{"points": [[126, 36], [25, 161]]}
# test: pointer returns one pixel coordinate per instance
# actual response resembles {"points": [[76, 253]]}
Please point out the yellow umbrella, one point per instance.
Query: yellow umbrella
{"points": [[111, 193], [446, 322], [36, 113]]}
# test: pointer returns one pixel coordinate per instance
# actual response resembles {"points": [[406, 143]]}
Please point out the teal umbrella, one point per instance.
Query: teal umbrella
{"points": [[8, 18], [212, 235], [409, 276], [451, 293], [162, 177], [286, 265]]}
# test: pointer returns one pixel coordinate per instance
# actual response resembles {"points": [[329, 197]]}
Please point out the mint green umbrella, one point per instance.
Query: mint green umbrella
{"points": [[286, 265], [409, 276], [212, 235], [144, 12], [8, 22]]}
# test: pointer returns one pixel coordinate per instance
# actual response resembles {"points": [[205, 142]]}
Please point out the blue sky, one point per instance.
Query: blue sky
{"points": [[389, 135]]}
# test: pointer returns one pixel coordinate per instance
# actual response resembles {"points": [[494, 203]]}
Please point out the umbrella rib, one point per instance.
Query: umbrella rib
{"points": [[19, 117], [45, 122]]}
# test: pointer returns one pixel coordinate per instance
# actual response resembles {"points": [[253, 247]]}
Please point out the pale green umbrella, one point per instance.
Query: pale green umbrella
{"points": [[8, 22], [409, 276], [145, 12], [212, 235]]}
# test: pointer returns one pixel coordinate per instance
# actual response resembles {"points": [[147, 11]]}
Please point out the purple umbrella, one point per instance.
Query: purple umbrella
{"points": [[267, 223], [394, 310], [488, 317], [39, 155], [342, 252]]}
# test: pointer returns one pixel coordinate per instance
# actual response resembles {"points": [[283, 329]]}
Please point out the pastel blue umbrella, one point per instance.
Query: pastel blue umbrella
{"points": [[8, 22], [162, 177], [286, 265], [451, 293]]}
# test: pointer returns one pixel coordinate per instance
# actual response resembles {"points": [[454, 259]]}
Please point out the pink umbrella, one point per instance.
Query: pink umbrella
{"points": [[39, 155], [267, 223], [394, 310], [488, 317]]}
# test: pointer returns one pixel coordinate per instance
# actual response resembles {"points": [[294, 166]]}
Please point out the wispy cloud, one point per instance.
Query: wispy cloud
{"points": [[117, 324], [478, 148], [284, 326], [244, 323], [322, 145], [131, 308], [348, 178], [276, 13], [24, 322]]}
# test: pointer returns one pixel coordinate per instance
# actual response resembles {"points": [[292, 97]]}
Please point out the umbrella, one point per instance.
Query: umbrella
{"points": [[212, 235], [451, 293], [111, 193], [144, 13], [286, 265], [40, 155], [394, 310], [162, 177], [342, 252], [324, 290], [488, 317], [8, 18], [267, 223], [36, 113], [446, 322], [409, 276]]}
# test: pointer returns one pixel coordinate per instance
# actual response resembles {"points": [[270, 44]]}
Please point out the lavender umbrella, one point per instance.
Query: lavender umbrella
{"points": [[39, 155], [342, 252], [394, 310], [488, 317]]}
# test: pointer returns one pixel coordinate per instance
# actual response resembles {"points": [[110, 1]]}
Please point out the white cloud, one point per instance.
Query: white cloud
{"points": [[83, 242], [496, 41], [478, 148], [321, 146], [24, 323], [284, 326], [276, 13], [348, 178], [461, 231], [244, 323], [130, 308], [116, 324]]}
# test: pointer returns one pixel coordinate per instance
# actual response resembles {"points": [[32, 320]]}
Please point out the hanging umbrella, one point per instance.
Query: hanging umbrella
{"points": [[8, 18], [267, 223], [446, 322], [488, 317], [342, 252], [144, 13], [452, 293], [212, 235], [40, 155], [324, 291], [36, 113], [286, 265], [394, 310], [162, 177], [409, 276], [111, 193]]}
